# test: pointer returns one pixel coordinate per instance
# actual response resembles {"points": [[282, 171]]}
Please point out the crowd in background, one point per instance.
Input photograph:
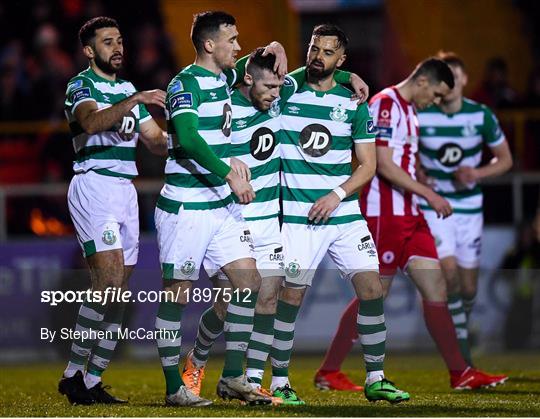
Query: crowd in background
{"points": [[40, 52]]}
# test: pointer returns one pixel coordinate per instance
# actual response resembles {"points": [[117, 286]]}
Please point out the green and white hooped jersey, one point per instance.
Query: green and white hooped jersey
{"points": [[111, 152], [450, 141], [255, 141], [318, 132], [207, 95]]}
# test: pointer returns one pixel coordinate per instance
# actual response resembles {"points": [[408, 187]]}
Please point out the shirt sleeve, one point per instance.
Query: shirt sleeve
{"points": [[291, 83], [491, 130], [183, 96], [80, 89], [363, 127], [386, 118], [193, 146]]}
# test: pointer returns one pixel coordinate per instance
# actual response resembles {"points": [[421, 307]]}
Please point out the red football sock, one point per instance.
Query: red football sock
{"points": [[441, 329], [344, 338]]}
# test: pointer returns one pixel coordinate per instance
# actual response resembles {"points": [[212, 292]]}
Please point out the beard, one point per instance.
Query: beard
{"points": [[106, 66], [318, 73]]}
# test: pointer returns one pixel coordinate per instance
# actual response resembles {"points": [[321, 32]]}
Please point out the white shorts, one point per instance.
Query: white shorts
{"points": [[350, 246], [267, 249], [459, 235], [105, 213], [189, 238]]}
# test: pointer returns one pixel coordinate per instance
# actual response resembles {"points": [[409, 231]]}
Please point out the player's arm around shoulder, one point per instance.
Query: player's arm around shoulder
{"points": [[92, 119]]}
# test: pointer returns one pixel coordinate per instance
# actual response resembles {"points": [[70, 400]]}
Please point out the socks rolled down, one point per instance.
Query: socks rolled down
{"points": [[168, 325], [440, 327], [343, 341]]}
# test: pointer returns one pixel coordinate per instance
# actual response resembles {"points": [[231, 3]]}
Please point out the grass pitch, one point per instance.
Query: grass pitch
{"points": [[31, 390]]}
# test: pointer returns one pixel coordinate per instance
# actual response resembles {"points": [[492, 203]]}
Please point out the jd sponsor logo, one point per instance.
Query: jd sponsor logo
{"points": [[450, 155], [126, 127], [315, 140], [227, 120], [262, 143]]}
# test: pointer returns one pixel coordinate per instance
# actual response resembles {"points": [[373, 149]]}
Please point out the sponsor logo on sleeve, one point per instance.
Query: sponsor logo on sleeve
{"points": [[80, 94], [181, 101], [176, 87], [370, 127], [74, 85], [288, 81], [385, 132]]}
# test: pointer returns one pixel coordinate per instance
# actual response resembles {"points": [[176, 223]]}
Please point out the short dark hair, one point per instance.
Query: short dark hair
{"points": [[87, 33], [206, 24], [329, 29], [451, 58], [435, 70], [256, 62]]}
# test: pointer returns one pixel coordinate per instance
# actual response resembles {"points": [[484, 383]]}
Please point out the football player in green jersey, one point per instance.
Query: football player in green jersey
{"points": [[452, 135], [107, 116]]}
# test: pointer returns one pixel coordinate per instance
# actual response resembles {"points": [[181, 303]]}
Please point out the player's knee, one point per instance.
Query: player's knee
{"points": [[468, 291], [266, 304], [292, 296], [220, 307]]}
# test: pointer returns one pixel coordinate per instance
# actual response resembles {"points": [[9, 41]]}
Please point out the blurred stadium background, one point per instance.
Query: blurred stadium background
{"points": [[39, 51]]}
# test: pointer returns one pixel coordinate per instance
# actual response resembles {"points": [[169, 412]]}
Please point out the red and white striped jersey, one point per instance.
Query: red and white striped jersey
{"points": [[397, 124]]}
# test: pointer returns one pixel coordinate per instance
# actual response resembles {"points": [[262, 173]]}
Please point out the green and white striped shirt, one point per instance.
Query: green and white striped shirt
{"points": [[199, 91], [110, 152], [255, 141], [448, 141], [318, 133]]}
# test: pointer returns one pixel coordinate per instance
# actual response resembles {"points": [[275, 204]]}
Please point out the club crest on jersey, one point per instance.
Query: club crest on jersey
{"points": [[109, 238], [469, 130], [188, 268], [274, 109], [293, 270], [338, 114]]}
